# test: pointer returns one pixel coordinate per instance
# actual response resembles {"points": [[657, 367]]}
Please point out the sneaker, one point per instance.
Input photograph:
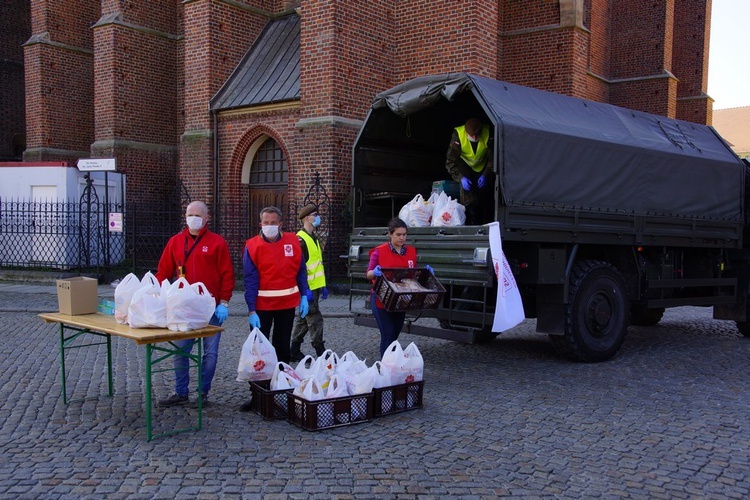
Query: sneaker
{"points": [[247, 405], [174, 399]]}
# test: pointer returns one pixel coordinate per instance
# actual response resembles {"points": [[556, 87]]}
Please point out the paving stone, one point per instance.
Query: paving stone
{"points": [[665, 419]]}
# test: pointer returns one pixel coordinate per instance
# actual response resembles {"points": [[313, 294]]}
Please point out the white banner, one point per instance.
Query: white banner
{"points": [[509, 308]]}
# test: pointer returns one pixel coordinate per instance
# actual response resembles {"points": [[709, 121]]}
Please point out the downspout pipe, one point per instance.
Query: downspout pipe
{"points": [[216, 211]]}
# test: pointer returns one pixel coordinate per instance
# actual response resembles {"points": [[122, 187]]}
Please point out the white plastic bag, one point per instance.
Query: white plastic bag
{"points": [[284, 377], [403, 365], [306, 367], [189, 307], [148, 308], [450, 213], [349, 363], [417, 212], [393, 360], [124, 294], [325, 367], [380, 377], [336, 387], [350, 367], [362, 382], [257, 359], [412, 369], [309, 389]]}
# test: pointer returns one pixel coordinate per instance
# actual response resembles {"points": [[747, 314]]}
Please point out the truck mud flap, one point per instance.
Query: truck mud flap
{"points": [[466, 337]]}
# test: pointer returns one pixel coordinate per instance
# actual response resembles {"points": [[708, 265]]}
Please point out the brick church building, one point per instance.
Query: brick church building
{"points": [[248, 102]]}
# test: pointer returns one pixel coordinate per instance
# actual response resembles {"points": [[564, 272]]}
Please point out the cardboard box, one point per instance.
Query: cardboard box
{"points": [[77, 295]]}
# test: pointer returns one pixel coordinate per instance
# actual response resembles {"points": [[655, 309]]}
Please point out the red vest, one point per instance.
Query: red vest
{"points": [[278, 264], [387, 258]]}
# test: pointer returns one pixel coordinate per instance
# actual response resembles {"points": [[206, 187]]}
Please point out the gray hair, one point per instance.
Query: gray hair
{"points": [[271, 210], [199, 205]]}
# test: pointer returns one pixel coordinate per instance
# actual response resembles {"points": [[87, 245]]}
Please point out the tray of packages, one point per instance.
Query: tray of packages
{"points": [[408, 288], [397, 398], [267, 403], [330, 412]]}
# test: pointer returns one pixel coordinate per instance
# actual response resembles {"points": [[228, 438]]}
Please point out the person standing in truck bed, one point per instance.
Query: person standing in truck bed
{"points": [[469, 162]]}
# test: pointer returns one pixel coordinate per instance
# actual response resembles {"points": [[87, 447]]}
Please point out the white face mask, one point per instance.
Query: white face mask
{"points": [[270, 232], [194, 222]]}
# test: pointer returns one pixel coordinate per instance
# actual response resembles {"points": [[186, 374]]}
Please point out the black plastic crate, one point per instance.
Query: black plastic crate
{"points": [[405, 289], [267, 403], [397, 398], [328, 413]]}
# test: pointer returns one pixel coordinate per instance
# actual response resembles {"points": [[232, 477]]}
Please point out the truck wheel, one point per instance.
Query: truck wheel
{"points": [[596, 317], [645, 316]]}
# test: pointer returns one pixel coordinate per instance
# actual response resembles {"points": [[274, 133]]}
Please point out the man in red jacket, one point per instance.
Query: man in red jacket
{"points": [[198, 254], [275, 278]]}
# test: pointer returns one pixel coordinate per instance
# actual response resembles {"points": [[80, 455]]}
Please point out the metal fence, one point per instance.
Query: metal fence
{"points": [[83, 237]]}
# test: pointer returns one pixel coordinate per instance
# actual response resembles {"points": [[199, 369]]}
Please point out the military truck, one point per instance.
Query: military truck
{"points": [[608, 215]]}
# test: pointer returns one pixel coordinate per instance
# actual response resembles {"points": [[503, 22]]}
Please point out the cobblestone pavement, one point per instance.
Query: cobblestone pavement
{"points": [[667, 418]]}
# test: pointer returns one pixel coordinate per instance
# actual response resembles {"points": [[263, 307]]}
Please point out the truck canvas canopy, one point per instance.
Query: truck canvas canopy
{"points": [[557, 151]]}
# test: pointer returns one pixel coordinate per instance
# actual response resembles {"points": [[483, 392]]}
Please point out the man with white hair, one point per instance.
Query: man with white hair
{"points": [[198, 255]]}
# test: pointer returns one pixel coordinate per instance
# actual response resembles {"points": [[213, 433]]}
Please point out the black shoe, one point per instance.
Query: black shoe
{"points": [[295, 354], [174, 399], [205, 402], [319, 350], [247, 405]]}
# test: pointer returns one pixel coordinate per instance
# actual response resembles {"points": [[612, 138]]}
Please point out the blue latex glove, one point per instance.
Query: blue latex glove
{"points": [[310, 295], [221, 313], [324, 294], [466, 183], [480, 182], [303, 307], [254, 320], [429, 268], [377, 271]]}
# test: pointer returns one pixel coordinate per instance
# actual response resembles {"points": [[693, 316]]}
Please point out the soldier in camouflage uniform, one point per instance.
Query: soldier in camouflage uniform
{"points": [[316, 279]]}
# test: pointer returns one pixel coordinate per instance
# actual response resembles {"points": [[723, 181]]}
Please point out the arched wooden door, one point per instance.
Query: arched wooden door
{"points": [[267, 180]]}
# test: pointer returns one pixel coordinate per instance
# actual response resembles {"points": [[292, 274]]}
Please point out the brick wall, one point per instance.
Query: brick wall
{"points": [[156, 65], [15, 26], [59, 80], [440, 36], [692, 33], [217, 35], [138, 81]]}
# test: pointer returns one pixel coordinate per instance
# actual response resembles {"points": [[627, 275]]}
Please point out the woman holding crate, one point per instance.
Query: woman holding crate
{"points": [[393, 253]]}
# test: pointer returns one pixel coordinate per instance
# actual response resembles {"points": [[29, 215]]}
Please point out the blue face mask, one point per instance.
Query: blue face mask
{"points": [[316, 222]]}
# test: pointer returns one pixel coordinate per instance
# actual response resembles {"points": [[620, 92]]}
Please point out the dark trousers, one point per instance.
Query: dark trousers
{"points": [[281, 322], [389, 323]]}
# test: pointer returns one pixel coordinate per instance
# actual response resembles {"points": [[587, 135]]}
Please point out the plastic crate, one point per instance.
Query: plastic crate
{"points": [[267, 403], [392, 291], [398, 398], [328, 413]]}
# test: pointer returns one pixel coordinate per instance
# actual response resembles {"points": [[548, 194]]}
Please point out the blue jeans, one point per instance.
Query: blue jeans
{"points": [[208, 363], [389, 323]]}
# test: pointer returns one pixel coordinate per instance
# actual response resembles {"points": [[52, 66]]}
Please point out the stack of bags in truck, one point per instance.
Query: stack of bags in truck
{"points": [[438, 210]]}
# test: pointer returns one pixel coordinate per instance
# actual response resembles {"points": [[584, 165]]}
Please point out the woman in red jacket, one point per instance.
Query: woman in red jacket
{"points": [[393, 253]]}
